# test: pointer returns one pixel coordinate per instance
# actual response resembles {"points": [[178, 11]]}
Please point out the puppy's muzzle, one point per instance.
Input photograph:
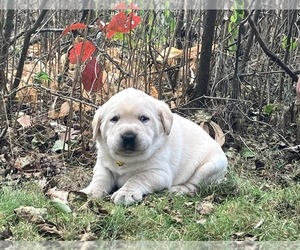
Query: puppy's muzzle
{"points": [[128, 141]]}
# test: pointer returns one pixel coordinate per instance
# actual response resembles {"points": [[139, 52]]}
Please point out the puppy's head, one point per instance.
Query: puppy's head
{"points": [[132, 125]]}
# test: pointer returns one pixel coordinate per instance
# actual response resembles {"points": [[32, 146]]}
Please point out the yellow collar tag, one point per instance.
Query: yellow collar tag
{"points": [[119, 163]]}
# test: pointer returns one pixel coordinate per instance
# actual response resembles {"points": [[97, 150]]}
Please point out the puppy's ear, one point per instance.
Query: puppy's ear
{"points": [[96, 124], [166, 117]]}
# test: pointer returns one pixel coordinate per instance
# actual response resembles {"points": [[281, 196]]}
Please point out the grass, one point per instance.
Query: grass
{"points": [[243, 208]]}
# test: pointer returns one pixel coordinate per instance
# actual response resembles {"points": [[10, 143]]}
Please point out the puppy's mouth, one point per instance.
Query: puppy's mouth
{"points": [[129, 152]]}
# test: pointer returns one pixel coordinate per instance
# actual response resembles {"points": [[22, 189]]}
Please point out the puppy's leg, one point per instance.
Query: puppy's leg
{"points": [[140, 185], [212, 171], [103, 182]]}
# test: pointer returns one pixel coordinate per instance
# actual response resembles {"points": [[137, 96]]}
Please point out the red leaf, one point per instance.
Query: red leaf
{"points": [[122, 23], [133, 6], [74, 26], [83, 49], [120, 6], [91, 76]]}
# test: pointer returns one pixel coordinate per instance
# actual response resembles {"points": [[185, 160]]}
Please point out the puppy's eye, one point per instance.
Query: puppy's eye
{"points": [[115, 119], [144, 119]]}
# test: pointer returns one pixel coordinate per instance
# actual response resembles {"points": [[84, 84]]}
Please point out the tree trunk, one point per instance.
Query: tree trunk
{"points": [[203, 70]]}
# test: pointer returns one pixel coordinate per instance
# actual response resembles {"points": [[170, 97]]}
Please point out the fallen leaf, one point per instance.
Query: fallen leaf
{"points": [[59, 145], [209, 198], [31, 214], [95, 206], [61, 194], [25, 121], [52, 114], [205, 207], [48, 229], [173, 53], [66, 136], [22, 162], [219, 135], [6, 234], [204, 126], [64, 109]]}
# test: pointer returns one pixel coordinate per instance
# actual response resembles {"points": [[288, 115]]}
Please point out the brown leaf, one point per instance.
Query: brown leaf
{"points": [[61, 194], [25, 121], [173, 53], [31, 214], [6, 233], [48, 229], [64, 109], [77, 106], [205, 207], [219, 135], [94, 206], [52, 114], [209, 198], [204, 126], [22, 162], [154, 92]]}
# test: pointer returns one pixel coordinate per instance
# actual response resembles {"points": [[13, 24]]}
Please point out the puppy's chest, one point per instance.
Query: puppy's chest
{"points": [[122, 179], [122, 173]]}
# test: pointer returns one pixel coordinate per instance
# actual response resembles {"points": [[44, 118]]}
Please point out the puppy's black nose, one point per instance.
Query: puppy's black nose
{"points": [[128, 141]]}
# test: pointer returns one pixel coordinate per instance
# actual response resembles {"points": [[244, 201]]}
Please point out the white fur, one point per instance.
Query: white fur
{"points": [[172, 152]]}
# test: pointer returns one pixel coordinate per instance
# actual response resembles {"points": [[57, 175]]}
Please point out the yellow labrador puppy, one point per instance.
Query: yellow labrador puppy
{"points": [[143, 147]]}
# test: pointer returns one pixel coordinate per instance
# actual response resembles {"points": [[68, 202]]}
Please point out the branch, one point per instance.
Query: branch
{"points": [[270, 54], [25, 48], [51, 92]]}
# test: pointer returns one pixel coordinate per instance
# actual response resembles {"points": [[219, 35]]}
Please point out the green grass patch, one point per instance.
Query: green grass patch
{"points": [[241, 208]]}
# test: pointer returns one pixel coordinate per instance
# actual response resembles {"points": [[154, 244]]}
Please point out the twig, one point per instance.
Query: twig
{"points": [[295, 149], [25, 48], [269, 53], [264, 123], [64, 97], [107, 56], [3, 132], [37, 86]]}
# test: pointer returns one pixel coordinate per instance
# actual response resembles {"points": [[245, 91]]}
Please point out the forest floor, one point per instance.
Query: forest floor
{"points": [[259, 201]]}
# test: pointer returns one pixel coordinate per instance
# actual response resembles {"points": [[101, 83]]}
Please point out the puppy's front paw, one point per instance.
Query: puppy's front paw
{"points": [[189, 189], [94, 192], [126, 197]]}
